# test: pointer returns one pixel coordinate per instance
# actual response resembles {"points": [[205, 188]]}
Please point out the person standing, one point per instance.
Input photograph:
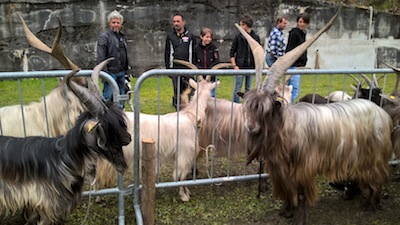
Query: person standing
{"points": [[297, 36], [206, 54], [241, 54], [276, 41], [179, 44], [112, 43]]}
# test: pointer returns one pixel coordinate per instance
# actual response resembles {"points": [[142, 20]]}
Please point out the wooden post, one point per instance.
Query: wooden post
{"points": [[148, 181], [316, 59]]}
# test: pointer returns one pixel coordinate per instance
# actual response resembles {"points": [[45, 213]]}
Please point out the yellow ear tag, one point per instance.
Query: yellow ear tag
{"points": [[279, 98], [391, 97], [90, 127]]}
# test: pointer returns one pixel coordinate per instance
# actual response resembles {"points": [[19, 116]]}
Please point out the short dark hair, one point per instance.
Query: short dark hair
{"points": [[305, 16], [178, 14], [280, 18], [246, 19]]}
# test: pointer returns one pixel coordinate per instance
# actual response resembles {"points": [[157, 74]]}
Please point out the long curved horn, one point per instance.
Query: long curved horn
{"points": [[221, 65], [354, 78], [186, 63], [370, 83], [397, 71], [93, 104], [96, 73], [258, 54], [283, 63], [56, 51], [375, 80]]}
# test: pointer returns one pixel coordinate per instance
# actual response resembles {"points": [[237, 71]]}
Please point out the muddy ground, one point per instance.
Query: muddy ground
{"points": [[236, 203]]}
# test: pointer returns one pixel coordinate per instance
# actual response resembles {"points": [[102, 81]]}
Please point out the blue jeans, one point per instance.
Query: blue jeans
{"points": [[238, 86], [107, 90], [269, 59], [295, 82], [213, 92]]}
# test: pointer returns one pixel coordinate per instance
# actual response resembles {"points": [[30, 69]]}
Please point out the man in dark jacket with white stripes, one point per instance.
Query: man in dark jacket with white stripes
{"points": [[179, 45]]}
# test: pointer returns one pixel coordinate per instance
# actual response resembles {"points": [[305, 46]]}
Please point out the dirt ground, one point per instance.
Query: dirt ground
{"points": [[236, 203]]}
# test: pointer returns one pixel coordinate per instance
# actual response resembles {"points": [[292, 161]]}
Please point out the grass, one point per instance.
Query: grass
{"points": [[154, 102]]}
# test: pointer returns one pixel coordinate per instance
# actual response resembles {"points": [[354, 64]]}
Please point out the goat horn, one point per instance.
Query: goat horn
{"points": [[397, 71], [186, 63], [283, 63], [96, 73], [258, 53], [370, 83], [221, 65], [359, 83], [354, 78], [91, 102], [375, 80], [56, 51]]}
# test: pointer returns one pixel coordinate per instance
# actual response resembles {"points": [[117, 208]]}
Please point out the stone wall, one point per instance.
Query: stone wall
{"points": [[146, 24]]}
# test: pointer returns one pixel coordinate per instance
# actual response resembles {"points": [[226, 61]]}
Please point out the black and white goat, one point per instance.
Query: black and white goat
{"points": [[44, 177], [348, 140]]}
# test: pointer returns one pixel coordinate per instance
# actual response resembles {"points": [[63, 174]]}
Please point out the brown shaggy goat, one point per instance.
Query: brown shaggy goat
{"points": [[349, 140]]}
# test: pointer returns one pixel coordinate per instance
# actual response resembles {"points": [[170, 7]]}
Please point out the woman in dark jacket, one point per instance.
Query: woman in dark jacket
{"points": [[296, 37], [206, 53]]}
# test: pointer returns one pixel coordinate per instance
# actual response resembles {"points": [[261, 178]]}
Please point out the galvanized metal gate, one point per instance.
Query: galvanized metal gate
{"points": [[135, 188]]}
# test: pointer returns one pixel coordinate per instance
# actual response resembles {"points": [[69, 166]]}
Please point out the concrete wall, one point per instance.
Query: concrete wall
{"points": [[352, 42]]}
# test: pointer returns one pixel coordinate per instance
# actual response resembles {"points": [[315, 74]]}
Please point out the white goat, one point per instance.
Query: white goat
{"points": [[223, 125], [187, 147], [61, 104]]}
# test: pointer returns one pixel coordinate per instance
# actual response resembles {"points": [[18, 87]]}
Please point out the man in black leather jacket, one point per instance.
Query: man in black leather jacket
{"points": [[179, 45], [112, 43]]}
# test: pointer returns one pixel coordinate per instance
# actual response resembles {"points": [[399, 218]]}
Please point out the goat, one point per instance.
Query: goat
{"points": [[168, 148], [390, 103], [59, 106], [223, 123], [314, 99], [341, 141], [44, 177], [335, 96]]}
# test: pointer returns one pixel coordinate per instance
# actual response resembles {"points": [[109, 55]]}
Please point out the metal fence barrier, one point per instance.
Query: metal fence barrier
{"points": [[158, 73], [116, 98], [135, 188]]}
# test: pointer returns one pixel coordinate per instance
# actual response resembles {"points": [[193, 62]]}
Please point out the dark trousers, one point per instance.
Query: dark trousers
{"points": [[179, 83]]}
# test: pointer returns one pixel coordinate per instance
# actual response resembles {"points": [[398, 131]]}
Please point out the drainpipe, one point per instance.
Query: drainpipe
{"points": [[371, 13]]}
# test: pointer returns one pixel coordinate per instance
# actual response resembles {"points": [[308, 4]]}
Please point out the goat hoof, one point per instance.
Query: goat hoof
{"points": [[286, 212], [98, 199], [185, 198]]}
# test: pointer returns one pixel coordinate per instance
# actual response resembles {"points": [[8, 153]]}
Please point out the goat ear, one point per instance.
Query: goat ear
{"points": [[193, 83], [95, 131], [90, 126], [215, 84], [390, 98], [240, 94]]}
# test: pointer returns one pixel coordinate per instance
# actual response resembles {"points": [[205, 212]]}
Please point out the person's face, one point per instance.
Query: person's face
{"points": [[206, 39], [301, 24], [115, 24], [282, 25], [244, 26], [179, 24]]}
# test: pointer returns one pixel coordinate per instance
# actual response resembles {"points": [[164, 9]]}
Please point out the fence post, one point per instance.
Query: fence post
{"points": [[148, 181]]}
